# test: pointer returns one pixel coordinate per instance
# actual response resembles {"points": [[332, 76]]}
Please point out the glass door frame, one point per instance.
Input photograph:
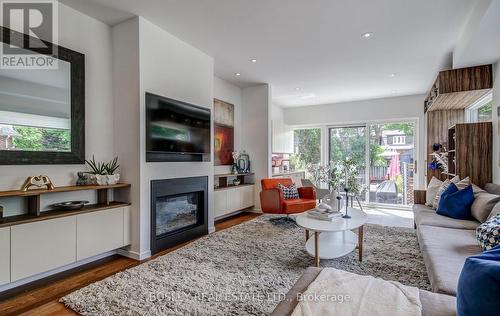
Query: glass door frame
{"points": [[366, 125]]}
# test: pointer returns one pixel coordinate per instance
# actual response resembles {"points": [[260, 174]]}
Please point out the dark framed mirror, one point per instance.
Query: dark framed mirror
{"points": [[42, 111]]}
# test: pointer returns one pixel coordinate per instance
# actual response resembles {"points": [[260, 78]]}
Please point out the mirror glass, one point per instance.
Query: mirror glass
{"points": [[35, 109]]}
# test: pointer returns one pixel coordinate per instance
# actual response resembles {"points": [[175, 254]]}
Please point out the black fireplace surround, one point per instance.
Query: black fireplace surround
{"points": [[179, 211]]}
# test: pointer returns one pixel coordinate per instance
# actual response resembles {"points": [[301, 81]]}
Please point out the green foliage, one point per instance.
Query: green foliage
{"points": [[308, 148], [30, 138], [41, 139], [103, 168], [375, 159], [484, 113], [406, 128], [399, 183]]}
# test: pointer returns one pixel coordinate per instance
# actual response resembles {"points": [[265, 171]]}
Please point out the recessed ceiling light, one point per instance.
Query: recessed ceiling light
{"points": [[253, 60], [394, 74], [237, 74], [297, 89], [367, 35]]}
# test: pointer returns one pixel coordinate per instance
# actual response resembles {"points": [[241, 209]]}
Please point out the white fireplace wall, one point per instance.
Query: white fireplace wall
{"points": [[166, 66]]}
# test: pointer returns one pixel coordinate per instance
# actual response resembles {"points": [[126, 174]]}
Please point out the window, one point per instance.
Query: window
{"points": [[307, 148], [481, 111], [398, 140]]}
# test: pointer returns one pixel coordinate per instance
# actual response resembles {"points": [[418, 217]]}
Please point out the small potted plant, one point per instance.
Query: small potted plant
{"points": [[104, 172]]}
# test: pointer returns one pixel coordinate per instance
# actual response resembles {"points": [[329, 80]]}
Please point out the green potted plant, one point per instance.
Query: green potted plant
{"points": [[104, 172]]}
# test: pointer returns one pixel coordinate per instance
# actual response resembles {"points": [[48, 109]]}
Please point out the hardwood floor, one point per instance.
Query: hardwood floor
{"points": [[43, 297]]}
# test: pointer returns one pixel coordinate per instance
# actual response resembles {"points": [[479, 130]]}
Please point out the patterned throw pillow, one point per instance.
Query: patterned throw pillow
{"points": [[488, 233], [290, 192]]}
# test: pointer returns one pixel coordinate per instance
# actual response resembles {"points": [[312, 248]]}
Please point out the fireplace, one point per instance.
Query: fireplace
{"points": [[179, 210]]}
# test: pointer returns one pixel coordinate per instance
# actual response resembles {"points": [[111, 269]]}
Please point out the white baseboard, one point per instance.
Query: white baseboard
{"points": [[211, 229], [134, 254], [55, 271]]}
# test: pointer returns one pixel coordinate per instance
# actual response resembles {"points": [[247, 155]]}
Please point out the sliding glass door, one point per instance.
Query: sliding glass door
{"points": [[349, 144], [382, 158], [392, 158]]}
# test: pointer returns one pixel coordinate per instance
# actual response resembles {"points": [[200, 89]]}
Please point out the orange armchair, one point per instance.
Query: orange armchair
{"points": [[272, 200]]}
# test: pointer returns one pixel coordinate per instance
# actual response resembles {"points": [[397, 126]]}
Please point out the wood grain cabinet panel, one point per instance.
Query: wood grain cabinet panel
{"points": [[99, 232], [5, 255], [42, 246]]}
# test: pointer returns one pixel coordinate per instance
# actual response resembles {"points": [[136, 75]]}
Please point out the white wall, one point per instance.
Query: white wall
{"points": [[496, 131], [169, 67], [126, 94], [92, 38], [385, 109], [256, 131], [228, 92]]}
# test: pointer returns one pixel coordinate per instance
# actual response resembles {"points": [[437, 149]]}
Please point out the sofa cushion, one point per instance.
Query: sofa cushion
{"points": [[434, 219], [492, 188], [444, 251], [483, 204], [479, 285], [443, 188], [488, 233], [495, 210], [432, 303], [298, 205], [456, 203], [432, 191]]}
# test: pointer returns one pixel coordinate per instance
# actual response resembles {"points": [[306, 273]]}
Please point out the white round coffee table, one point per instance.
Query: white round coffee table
{"points": [[333, 239]]}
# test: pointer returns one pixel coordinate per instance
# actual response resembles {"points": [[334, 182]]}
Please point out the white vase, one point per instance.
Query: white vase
{"points": [[113, 179], [100, 179], [331, 199]]}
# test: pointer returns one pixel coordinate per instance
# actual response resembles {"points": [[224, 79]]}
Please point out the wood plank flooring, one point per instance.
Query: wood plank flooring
{"points": [[43, 298]]}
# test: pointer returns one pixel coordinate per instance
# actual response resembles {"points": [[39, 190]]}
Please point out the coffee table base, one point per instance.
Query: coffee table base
{"points": [[332, 244]]}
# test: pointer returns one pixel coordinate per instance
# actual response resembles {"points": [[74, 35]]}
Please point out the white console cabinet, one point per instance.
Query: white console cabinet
{"points": [[4, 257], [100, 232], [234, 198], [42, 246]]}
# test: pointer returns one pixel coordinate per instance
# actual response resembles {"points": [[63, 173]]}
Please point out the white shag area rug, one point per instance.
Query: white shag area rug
{"points": [[242, 270]]}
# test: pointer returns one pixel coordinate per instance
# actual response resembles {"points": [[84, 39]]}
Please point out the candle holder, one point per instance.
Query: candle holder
{"points": [[339, 207], [346, 215]]}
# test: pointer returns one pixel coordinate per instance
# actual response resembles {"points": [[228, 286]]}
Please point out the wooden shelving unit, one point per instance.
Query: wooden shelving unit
{"points": [[458, 88], [470, 152], [223, 183], [30, 218], [32, 199]]}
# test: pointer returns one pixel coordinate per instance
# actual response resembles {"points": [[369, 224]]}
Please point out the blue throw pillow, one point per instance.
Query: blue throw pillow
{"points": [[478, 291], [456, 203]]}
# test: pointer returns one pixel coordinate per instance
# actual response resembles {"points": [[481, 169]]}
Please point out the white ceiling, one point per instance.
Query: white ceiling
{"points": [[313, 45], [484, 46]]}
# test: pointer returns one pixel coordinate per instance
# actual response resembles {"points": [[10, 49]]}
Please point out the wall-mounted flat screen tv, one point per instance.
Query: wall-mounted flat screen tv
{"points": [[176, 130]]}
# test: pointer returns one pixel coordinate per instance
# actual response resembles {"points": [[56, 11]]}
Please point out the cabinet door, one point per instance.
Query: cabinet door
{"points": [[99, 232], [247, 196], [234, 199], [220, 203], [5, 255], [42, 246]]}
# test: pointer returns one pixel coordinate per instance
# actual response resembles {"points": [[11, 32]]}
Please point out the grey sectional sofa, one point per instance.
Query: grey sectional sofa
{"points": [[445, 243], [433, 304]]}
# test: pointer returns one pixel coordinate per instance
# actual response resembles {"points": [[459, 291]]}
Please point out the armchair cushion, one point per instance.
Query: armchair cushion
{"points": [[289, 192], [307, 193], [298, 205]]}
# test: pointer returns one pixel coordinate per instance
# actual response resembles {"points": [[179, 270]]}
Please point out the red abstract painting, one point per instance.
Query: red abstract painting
{"points": [[224, 145]]}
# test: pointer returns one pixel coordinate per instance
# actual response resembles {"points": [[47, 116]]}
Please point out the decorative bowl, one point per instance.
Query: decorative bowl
{"points": [[70, 205]]}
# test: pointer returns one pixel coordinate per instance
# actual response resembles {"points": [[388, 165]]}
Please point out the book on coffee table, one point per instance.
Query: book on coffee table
{"points": [[324, 214]]}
